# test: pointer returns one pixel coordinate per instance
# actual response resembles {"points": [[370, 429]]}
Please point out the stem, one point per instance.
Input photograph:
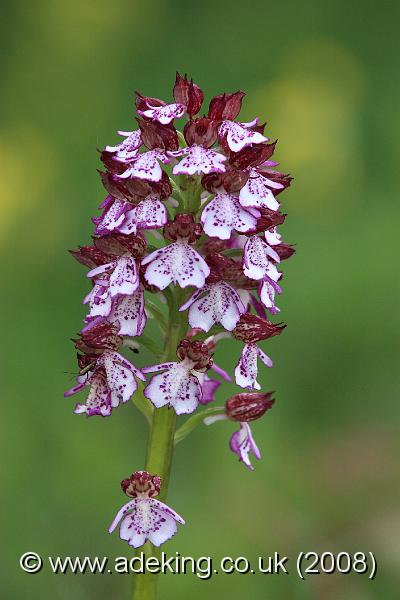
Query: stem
{"points": [[195, 420], [161, 442]]}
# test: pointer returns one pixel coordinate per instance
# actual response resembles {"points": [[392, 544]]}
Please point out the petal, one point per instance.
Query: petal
{"points": [[267, 291], [100, 269], [81, 383], [242, 443], [176, 387], [120, 376], [150, 213], [164, 114], [156, 368], [98, 401], [209, 387], [164, 529], [99, 300], [127, 148], [112, 217], [221, 305], [265, 359], [177, 263], [246, 370], [200, 160], [238, 136], [192, 298], [129, 313], [124, 279], [167, 509], [221, 372], [225, 214], [121, 513], [256, 263], [257, 193], [131, 533], [146, 166], [272, 237]]}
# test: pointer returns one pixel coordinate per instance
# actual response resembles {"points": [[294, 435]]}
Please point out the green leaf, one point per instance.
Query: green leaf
{"points": [[157, 313], [195, 420], [181, 138], [151, 345]]}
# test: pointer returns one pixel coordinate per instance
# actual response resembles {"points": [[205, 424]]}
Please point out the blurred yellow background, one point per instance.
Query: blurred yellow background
{"points": [[325, 77]]}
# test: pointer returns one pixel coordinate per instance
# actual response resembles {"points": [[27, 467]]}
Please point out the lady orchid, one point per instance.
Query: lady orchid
{"points": [[187, 240]]}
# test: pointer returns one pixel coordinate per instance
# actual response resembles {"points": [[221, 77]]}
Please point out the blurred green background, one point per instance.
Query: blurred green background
{"points": [[324, 75]]}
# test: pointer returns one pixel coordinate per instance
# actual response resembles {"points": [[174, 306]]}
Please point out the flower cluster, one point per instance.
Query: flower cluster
{"points": [[190, 223]]}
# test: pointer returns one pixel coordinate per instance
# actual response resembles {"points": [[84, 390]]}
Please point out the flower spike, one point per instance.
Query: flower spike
{"points": [[186, 252]]}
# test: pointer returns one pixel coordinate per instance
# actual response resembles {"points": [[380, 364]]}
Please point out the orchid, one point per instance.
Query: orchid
{"points": [[179, 386], [144, 517], [243, 408], [221, 304], [186, 252]]}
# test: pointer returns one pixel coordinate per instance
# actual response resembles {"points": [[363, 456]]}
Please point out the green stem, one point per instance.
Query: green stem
{"points": [[195, 420], [161, 443]]}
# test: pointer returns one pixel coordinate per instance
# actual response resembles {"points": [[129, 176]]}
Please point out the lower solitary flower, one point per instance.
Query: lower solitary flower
{"points": [[144, 517]]}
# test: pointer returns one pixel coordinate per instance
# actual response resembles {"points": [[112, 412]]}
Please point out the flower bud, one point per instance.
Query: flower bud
{"points": [[252, 156], [141, 483], [248, 406], [98, 335], [155, 135], [90, 256], [269, 218], [284, 251], [197, 352], [112, 163], [231, 181], [202, 132], [188, 93], [119, 244], [143, 102], [226, 106], [183, 226], [252, 328], [114, 186], [282, 178]]}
